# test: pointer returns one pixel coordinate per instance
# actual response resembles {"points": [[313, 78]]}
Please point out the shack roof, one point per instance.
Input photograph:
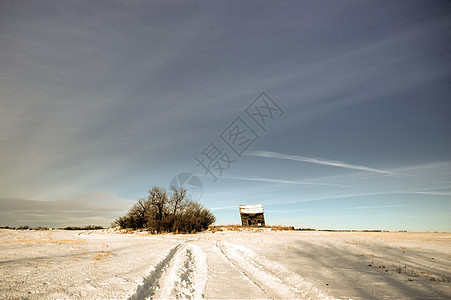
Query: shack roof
{"points": [[251, 209]]}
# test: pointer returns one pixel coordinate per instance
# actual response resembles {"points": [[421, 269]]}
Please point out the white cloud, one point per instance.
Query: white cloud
{"points": [[433, 193], [380, 206], [323, 162], [283, 181], [95, 208]]}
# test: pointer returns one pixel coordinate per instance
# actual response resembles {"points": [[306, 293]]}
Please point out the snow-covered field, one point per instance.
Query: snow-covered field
{"points": [[224, 265]]}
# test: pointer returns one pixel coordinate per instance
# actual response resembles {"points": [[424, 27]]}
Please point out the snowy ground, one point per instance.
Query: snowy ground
{"points": [[224, 265]]}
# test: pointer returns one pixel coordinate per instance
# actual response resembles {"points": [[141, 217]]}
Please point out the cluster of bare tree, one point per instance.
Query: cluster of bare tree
{"points": [[161, 212]]}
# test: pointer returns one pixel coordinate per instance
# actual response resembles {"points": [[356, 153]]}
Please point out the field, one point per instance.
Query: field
{"points": [[224, 265]]}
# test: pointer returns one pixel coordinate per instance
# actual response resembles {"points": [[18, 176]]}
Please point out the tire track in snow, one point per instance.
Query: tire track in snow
{"points": [[187, 275], [227, 258], [150, 282], [181, 274], [273, 278]]}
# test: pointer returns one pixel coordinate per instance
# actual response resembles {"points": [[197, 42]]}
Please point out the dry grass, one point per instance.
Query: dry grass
{"points": [[31, 241], [400, 236], [412, 273], [62, 242], [398, 268], [368, 255], [433, 277], [220, 228], [281, 228], [101, 254]]}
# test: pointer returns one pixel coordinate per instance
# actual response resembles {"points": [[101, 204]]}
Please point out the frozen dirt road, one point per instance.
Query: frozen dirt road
{"points": [[224, 265]]}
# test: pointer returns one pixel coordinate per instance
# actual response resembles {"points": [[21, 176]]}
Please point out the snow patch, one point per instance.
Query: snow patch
{"points": [[273, 278]]}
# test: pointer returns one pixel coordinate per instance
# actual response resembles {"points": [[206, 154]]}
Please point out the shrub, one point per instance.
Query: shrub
{"points": [[87, 227], [163, 213]]}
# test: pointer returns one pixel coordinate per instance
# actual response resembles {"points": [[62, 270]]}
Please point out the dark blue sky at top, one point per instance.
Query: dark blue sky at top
{"points": [[101, 100]]}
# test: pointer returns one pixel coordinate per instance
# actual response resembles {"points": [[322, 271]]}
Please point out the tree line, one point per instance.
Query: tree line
{"points": [[163, 212]]}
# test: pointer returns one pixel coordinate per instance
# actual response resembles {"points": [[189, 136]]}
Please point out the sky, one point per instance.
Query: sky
{"points": [[332, 114]]}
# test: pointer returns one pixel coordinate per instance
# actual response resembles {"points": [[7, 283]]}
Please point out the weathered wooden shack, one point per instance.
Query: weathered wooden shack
{"points": [[252, 215]]}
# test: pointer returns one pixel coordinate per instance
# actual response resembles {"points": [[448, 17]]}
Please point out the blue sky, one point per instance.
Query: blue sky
{"points": [[101, 100]]}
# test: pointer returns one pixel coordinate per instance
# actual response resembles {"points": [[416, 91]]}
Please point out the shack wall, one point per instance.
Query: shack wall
{"points": [[252, 219]]}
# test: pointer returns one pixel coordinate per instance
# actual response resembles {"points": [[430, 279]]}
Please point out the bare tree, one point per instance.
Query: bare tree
{"points": [[158, 198], [178, 202], [138, 211], [178, 199], [162, 213]]}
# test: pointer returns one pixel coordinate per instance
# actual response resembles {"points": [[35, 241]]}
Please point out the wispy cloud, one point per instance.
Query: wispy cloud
{"points": [[84, 89], [96, 207], [283, 181], [433, 193], [323, 162], [328, 197], [224, 208], [377, 206]]}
